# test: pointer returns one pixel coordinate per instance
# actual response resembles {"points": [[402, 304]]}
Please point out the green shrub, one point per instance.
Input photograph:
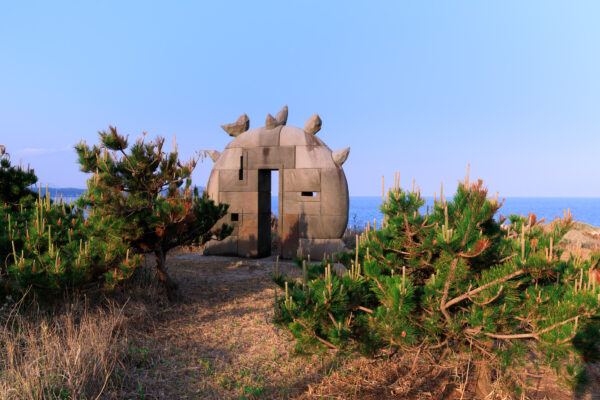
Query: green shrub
{"points": [[453, 281], [49, 246]]}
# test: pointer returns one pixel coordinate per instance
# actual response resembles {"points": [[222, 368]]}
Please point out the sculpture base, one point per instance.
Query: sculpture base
{"points": [[319, 249]]}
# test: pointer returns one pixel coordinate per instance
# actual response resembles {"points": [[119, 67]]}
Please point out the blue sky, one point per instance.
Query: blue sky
{"points": [[424, 88]]}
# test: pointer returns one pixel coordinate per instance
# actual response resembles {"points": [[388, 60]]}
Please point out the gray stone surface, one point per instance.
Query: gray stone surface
{"points": [[271, 122], [293, 136], [313, 157], [340, 156], [322, 226], [212, 188], [271, 157], [297, 196], [289, 235], [320, 248], [257, 137], [313, 191], [229, 159], [240, 126], [301, 180], [302, 207], [242, 202], [229, 245], [282, 116], [313, 124], [229, 181], [334, 194], [214, 155]]}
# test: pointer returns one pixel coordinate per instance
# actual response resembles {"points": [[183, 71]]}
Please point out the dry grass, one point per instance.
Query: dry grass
{"points": [[378, 379], [72, 355]]}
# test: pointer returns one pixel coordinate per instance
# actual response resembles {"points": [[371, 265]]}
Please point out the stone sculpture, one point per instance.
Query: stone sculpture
{"points": [[313, 192]]}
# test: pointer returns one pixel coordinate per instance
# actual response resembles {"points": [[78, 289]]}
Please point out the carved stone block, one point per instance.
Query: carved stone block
{"points": [[323, 226], [257, 138], [302, 180], [300, 196], [248, 246], [244, 202], [289, 236], [320, 248], [334, 192], [313, 157], [271, 157], [227, 246], [302, 207], [293, 136], [230, 159], [229, 181]]}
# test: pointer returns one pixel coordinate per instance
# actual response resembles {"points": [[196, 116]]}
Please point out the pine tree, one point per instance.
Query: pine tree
{"points": [[145, 196], [15, 182], [451, 281], [48, 246]]}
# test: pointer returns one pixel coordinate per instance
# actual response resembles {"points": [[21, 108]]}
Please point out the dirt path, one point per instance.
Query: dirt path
{"points": [[219, 342]]}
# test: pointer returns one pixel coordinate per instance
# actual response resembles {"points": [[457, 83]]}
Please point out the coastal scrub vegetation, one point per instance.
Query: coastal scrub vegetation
{"points": [[136, 202], [453, 284], [49, 246]]}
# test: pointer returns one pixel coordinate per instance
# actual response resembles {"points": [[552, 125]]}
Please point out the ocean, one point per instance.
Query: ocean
{"points": [[366, 208]]}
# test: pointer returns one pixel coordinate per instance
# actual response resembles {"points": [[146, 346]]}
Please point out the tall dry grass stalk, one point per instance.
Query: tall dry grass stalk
{"points": [[70, 355]]}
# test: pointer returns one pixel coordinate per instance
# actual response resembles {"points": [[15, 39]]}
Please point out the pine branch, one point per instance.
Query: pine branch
{"points": [[449, 279], [533, 335], [485, 303], [479, 289], [313, 334]]}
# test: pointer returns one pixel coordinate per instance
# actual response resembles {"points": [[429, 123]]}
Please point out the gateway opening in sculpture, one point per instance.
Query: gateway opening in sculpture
{"points": [[313, 192]]}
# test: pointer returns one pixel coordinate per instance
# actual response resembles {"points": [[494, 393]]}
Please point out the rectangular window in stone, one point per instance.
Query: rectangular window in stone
{"points": [[308, 194], [241, 171], [235, 217]]}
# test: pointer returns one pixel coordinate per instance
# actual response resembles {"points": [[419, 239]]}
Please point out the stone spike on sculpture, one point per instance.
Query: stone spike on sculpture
{"points": [[214, 155], [270, 122], [282, 116], [340, 156], [278, 120], [241, 125], [313, 124]]}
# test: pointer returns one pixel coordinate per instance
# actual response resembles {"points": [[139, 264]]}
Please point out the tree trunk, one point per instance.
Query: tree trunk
{"points": [[161, 269]]}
